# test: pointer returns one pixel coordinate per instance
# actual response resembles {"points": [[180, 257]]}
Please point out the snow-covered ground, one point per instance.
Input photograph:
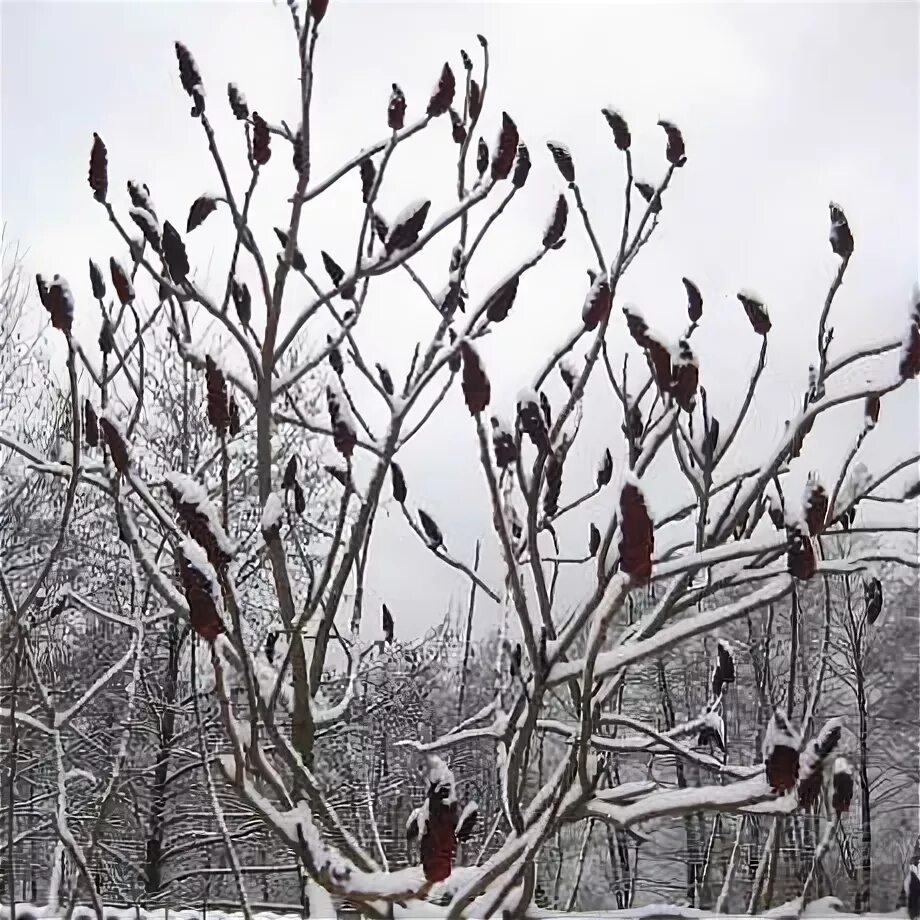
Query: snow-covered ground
{"points": [[821, 908]]}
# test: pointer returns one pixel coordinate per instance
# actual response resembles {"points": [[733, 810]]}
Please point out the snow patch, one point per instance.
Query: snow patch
{"points": [[272, 512], [842, 765], [441, 777]]}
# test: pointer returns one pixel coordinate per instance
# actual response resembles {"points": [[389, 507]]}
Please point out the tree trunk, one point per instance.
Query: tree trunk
{"points": [[153, 862], [693, 844], [864, 889]]}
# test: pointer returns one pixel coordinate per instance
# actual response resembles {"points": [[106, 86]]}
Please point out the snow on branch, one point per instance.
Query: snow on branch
{"points": [[794, 431], [328, 715], [363, 155], [726, 552], [62, 718], [632, 652], [648, 740], [335, 873], [160, 582], [496, 730], [24, 719], [733, 798]]}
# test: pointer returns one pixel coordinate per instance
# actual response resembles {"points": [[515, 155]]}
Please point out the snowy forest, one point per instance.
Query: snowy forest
{"points": [[674, 675]]}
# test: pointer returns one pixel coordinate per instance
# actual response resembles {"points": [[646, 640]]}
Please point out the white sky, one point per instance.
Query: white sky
{"points": [[783, 107]]}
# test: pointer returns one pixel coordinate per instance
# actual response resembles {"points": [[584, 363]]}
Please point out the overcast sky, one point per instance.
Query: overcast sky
{"points": [[783, 106]]}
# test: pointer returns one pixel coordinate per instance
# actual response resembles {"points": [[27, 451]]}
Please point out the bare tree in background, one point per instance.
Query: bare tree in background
{"points": [[865, 662], [557, 719], [142, 816]]}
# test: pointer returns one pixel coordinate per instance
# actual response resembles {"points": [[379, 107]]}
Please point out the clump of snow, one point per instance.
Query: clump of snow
{"points": [[266, 676], [321, 905], [842, 765], [597, 285], [811, 757], [190, 492], [567, 366], [65, 453], [795, 518], [78, 773], [712, 719], [629, 478], [780, 733], [237, 449], [140, 192], [197, 558], [146, 218], [528, 395], [66, 294], [441, 777], [749, 294], [409, 211], [634, 310], [771, 495], [369, 263], [324, 715], [562, 148], [221, 361], [471, 807], [271, 513]]}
